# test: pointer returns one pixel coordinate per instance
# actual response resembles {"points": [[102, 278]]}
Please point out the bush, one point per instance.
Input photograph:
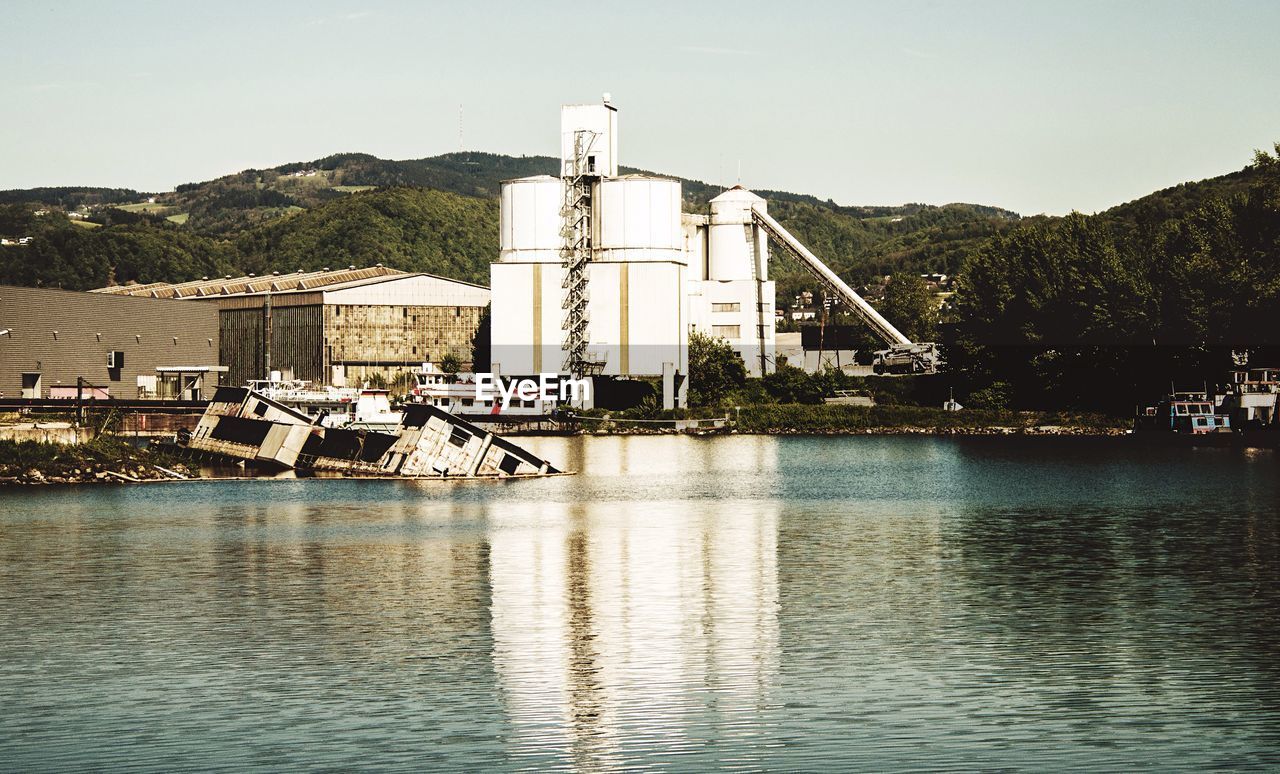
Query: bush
{"points": [[998, 395]]}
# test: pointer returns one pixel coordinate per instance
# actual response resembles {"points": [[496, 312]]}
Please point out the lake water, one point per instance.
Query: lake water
{"points": [[683, 604]]}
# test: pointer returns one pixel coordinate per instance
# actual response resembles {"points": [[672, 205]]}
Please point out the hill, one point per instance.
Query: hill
{"points": [[355, 208]]}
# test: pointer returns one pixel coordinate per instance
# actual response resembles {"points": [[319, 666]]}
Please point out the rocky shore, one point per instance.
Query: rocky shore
{"points": [[104, 460]]}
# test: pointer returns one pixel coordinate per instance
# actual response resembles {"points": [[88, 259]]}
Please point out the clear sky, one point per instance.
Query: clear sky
{"points": [[1034, 106]]}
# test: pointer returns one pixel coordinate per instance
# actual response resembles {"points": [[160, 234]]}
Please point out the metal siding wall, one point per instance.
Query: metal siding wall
{"points": [[142, 328], [297, 341], [241, 351]]}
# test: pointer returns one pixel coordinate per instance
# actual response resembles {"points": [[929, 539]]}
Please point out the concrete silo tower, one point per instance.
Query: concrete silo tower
{"points": [[591, 279]]}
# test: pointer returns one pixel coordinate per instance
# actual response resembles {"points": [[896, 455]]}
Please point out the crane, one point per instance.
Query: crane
{"points": [[903, 355]]}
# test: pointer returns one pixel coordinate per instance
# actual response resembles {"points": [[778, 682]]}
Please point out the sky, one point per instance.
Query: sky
{"points": [[1032, 106]]}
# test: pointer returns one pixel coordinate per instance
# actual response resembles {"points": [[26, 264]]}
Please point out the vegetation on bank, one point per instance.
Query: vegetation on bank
{"points": [[34, 462], [830, 419]]}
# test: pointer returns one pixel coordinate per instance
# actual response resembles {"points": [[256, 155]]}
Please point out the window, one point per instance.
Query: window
{"points": [[337, 311], [459, 437], [415, 350], [762, 331], [727, 331], [727, 307]]}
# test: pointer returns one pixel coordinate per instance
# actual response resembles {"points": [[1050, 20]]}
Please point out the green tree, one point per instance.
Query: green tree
{"points": [[911, 307], [715, 369], [788, 384]]}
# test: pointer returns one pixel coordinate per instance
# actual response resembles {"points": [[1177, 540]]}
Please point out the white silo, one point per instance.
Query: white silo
{"points": [[737, 248], [737, 299], [638, 219], [530, 220]]}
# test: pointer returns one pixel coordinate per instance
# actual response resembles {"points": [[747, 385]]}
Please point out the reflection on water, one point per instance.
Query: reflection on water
{"points": [[737, 603], [622, 627]]}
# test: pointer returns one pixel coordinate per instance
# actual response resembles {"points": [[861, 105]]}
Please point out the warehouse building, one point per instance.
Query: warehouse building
{"points": [[55, 343], [340, 327]]}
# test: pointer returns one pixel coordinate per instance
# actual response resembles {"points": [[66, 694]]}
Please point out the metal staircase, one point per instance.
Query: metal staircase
{"points": [[575, 254]]}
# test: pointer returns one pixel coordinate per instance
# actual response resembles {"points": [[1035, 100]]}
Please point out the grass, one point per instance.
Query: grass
{"points": [[796, 418], [154, 208], [836, 419], [352, 188], [86, 224], [180, 218]]}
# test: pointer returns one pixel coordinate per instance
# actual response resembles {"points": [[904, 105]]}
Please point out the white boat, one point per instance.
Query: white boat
{"points": [[456, 394]]}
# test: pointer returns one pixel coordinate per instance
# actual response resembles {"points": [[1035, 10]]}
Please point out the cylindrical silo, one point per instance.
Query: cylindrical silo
{"points": [[530, 220], [637, 218], [736, 248]]}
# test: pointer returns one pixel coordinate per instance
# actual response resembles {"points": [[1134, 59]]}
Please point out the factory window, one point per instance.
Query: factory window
{"points": [[763, 331], [727, 307], [457, 311], [415, 350], [727, 331]]}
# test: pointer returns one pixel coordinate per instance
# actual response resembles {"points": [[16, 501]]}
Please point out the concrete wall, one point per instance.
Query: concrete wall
{"points": [[637, 310], [150, 332]]}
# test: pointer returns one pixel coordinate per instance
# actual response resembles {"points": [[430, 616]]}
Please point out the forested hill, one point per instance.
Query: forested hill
{"points": [[434, 214], [439, 214]]}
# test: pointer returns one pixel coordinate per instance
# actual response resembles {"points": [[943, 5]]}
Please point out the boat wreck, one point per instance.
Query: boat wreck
{"points": [[242, 424]]}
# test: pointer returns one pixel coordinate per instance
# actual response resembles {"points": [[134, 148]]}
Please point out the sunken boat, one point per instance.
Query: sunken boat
{"points": [[243, 425]]}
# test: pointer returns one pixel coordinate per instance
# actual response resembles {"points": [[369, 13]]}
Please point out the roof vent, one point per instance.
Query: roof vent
{"points": [[275, 274], [352, 267], [379, 266]]}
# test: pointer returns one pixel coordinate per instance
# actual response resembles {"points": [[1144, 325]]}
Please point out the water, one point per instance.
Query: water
{"points": [[684, 604]]}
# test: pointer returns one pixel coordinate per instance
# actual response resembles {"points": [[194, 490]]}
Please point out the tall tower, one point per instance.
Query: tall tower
{"points": [[588, 152]]}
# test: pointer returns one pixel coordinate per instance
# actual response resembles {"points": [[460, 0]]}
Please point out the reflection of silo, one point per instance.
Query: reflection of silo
{"points": [[638, 219], [737, 249], [530, 219]]}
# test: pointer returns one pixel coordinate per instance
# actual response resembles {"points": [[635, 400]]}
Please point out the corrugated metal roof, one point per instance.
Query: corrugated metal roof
{"points": [[250, 285]]}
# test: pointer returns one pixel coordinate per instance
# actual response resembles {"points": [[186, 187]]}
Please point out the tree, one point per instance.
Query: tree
{"points": [[788, 384], [714, 369], [911, 308], [450, 364]]}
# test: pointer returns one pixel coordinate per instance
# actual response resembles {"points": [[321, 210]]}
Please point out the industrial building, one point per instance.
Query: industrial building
{"points": [[339, 327], [601, 274], [60, 343], [608, 270]]}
